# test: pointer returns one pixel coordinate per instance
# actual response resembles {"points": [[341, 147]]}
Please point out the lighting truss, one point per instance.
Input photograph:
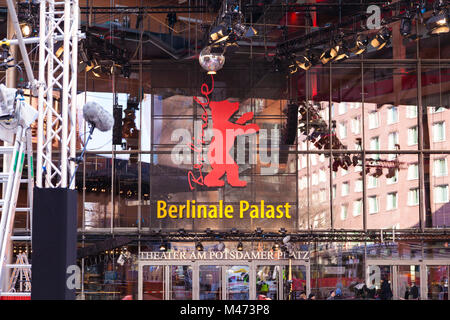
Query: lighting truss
{"points": [[377, 236], [57, 79]]}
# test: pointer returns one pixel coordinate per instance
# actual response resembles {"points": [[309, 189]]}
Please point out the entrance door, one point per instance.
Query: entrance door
{"points": [[408, 282], [437, 280], [166, 281], [379, 280], [219, 280]]}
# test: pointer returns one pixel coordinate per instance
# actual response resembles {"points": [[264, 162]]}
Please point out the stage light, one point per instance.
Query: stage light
{"points": [[286, 239], [276, 247], [438, 23], [240, 246], [244, 31], [381, 39], [258, 231], [359, 45], [96, 71], [341, 51], [304, 62], [406, 25], [328, 55], [26, 29], [162, 247], [292, 67], [219, 33], [199, 246]]}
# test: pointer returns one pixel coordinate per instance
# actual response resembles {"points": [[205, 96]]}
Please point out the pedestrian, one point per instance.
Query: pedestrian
{"points": [[385, 292], [332, 295], [312, 296], [414, 292]]}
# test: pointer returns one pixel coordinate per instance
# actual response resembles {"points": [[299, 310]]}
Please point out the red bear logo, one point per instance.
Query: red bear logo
{"points": [[218, 153]]}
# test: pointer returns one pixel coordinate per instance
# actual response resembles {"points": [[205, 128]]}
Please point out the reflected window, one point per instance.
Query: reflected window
{"points": [[345, 189], [441, 194], [372, 182], [392, 116], [413, 171], [373, 120], [411, 112], [440, 167], [413, 197], [356, 125], [359, 185], [373, 204], [391, 201], [439, 131], [412, 136], [344, 209], [342, 108], [357, 207], [393, 179], [343, 130]]}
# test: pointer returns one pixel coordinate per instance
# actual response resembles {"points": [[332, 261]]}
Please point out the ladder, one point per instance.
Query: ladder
{"points": [[8, 206], [22, 272]]}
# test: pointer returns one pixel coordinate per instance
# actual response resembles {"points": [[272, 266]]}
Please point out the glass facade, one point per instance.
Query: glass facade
{"points": [[369, 152]]}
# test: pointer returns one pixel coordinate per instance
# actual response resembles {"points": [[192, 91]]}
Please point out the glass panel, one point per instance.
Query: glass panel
{"points": [[298, 277], [267, 282], [180, 283], [210, 282], [153, 282], [437, 277], [408, 282], [238, 282], [97, 203], [379, 282]]}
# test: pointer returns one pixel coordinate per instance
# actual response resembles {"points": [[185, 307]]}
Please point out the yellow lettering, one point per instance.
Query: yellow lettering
{"points": [[270, 214], [254, 213], [244, 205], [229, 209], [287, 206], [212, 214], [161, 207], [173, 209]]}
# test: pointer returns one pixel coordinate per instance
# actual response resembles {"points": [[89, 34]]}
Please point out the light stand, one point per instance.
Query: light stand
{"points": [[79, 159]]}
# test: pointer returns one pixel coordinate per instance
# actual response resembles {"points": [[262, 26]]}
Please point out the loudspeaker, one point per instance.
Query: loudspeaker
{"points": [[54, 243], [117, 128], [291, 125]]}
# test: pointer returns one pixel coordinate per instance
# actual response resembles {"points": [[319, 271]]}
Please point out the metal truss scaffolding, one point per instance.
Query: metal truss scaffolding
{"points": [[57, 102]]}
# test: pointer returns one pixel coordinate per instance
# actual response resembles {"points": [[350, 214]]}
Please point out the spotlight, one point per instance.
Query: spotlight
{"points": [[26, 29], [162, 247], [240, 246], [199, 246], [438, 23], [276, 247], [219, 33], [381, 39], [282, 231], [96, 71], [359, 45], [293, 67], [304, 62], [244, 31], [286, 239], [328, 54], [341, 51], [258, 231], [406, 25]]}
